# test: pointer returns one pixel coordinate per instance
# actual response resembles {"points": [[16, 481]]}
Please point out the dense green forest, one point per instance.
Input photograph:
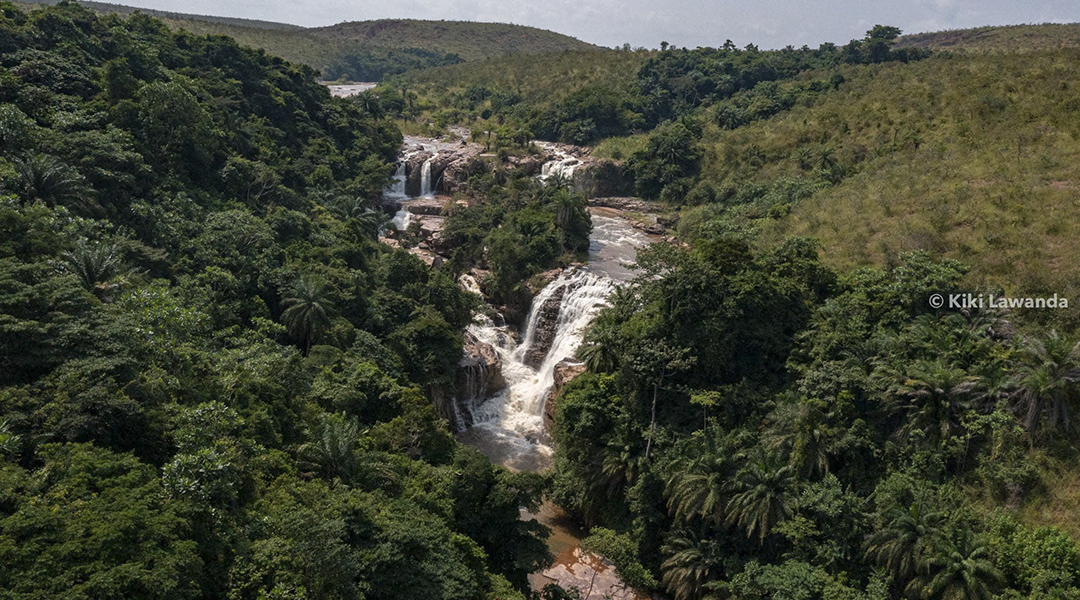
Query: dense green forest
{"points": [[214, 380], [217, 382]]}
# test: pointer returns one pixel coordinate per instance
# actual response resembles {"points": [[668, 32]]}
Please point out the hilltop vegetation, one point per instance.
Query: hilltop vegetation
{"points": [[214, 382], [1007, 38], [369, 50]]}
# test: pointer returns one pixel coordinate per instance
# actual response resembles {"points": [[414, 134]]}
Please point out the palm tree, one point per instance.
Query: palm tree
{"points": [[331, 448], [698, 486], [689, 566], [766, 499], [600, 350], [309, 310], [935, 398], [369, 101], [369, 223], [960, 569], [1046, 380], [9, 442], [94, 265], [49, 179], [619, 464], [803, 430], [900, 546]]}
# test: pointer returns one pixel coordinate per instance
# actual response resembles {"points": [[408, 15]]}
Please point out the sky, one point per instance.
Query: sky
{"points": [[689, 23]]}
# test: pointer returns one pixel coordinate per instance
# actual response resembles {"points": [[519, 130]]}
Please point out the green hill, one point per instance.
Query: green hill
{"points": [[367, 50], [1009, 38]]}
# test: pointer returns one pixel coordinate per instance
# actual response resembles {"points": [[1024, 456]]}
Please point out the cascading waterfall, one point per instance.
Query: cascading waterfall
{"points": [[509, 426], [426, 189], [562, 166], [510, 423]]}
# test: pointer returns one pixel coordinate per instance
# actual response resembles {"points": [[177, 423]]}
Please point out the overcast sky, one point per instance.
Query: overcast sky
{"points": [[767, 23]]}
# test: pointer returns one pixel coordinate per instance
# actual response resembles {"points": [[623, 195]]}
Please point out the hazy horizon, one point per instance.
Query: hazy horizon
{"points": [[769, 24]]}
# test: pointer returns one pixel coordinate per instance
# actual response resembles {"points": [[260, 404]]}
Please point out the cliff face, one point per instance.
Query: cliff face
{"points": [[479, 376], [546, 328]]}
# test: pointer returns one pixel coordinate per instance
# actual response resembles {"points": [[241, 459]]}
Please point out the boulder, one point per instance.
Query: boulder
{"points": [[565, 372]]}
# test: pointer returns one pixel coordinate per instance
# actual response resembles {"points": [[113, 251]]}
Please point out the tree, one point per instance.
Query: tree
{"points": [[331, 447], [49, 179], [655, 362], [699, 485], [901, 545], [599, 351], [309, 309], [1046, 375], [935, 397], [767, 496], [689, 566], [960, 569], [94, 264]]}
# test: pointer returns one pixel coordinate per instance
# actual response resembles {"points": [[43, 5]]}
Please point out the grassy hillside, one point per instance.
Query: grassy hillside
{"points": [[470, 41], [1010, 38], [367, 50]]}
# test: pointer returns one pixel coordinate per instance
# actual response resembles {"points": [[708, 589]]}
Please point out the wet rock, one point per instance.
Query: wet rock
{"points": [[453, 167], [427, 206], [546, 328], [594, 576], [414, 167], [565, 372], [629, 203]]}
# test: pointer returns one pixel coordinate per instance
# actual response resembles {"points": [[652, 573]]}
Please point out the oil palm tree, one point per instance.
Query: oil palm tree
{"points": [[766, 497], [803, 430], [600, 350], [689, 566], [308, 311], [9, 442], [1045, 383], [699, 485], [934, 397], [49, 179], [94, 265], [959, 569], [331, 448], [900, 546], [369, 223]]}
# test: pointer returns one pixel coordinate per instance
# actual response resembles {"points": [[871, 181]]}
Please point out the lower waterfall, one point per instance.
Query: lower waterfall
{"points": [[509, 426]]}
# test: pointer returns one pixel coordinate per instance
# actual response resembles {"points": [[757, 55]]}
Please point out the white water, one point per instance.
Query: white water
{"points": [[426, 190], [562, 166], [509, 426]]}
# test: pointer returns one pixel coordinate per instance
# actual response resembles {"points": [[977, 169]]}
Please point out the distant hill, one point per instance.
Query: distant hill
{"points": [[367, 50], [1008, 38]]}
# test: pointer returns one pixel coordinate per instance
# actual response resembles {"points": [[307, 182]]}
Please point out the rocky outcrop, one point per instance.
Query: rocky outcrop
{"points": [[602, 177], [479, 376], [547, 320], [565, 372], [629, 203], [451, 168]]}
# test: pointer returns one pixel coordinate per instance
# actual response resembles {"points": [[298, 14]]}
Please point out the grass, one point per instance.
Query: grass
{"points": [[321, 46], [1009, 38]]}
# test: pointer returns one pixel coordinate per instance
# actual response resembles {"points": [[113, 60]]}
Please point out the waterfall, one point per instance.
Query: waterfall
{"points": [[511, 423], [397, 189], [562, 166], [402, 219], [426, 191]]}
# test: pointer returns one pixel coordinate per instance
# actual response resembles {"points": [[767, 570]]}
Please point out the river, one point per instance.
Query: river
{"points": [[508, 427]]}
